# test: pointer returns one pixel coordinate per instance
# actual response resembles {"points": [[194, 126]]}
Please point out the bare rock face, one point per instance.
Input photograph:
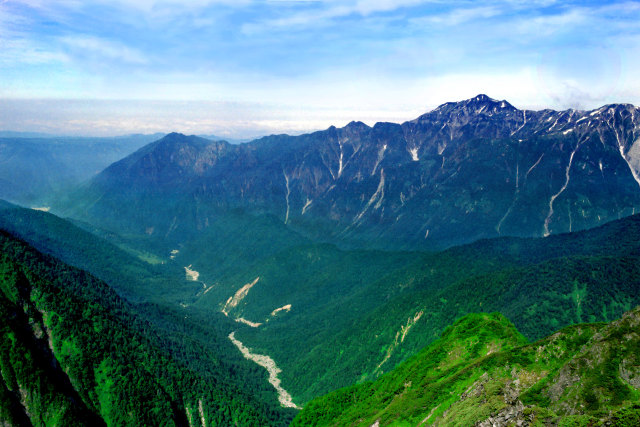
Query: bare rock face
{"points": [[477, 389], [513, 413], [630, 372]]}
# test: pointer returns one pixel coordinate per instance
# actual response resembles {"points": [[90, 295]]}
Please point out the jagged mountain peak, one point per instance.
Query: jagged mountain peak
{"points": [[485, 104], [479, 101], [480, 105], [607, 111], [163, 161], [484, 99], [612, 109], [173, 135], [172, 144], [357, 126], [178, 137]]}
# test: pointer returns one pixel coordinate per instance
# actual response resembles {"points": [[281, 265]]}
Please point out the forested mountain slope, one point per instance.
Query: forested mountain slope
{"points": [[330, 317], [75, 353], [467, 170], [336, 330]]}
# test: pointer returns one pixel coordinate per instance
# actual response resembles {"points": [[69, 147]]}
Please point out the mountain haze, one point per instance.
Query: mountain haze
{"points": [[35, 170]]}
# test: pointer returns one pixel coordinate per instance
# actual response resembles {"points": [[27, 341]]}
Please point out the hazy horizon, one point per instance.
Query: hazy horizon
{"points": [[98, 128], [248, 68]]}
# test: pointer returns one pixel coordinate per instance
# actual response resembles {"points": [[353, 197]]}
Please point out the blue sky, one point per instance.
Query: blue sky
{"points": [[245, 67]]}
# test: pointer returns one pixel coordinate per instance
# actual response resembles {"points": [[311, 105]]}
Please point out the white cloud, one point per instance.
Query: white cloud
{"points": [[624, 7], [16, 45], [366, 7], [304, 105], [325, 62], [547, 25], [136, 4]]}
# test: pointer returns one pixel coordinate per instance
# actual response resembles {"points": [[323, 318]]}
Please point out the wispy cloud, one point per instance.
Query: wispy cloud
{"points": [[323, 13], [16, 44], [458, 16], [84, 45], [368, 60], [16, 52], [547, 25]]}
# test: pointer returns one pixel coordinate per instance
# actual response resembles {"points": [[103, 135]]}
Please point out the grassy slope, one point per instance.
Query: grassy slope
{"points": [[480, 368]]}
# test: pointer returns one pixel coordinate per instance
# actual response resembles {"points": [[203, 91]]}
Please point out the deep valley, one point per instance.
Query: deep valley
{"points": [[341, 277]]}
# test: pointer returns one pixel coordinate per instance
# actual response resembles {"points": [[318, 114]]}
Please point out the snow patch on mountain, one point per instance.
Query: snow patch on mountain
{"points": [[306, 206], [379, 159], [286, 179], [619, 139], [555, 196], [375, 198], [633, 159]]}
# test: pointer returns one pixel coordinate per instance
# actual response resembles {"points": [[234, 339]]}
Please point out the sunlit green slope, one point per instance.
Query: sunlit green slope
{"points": [[482, 372]]}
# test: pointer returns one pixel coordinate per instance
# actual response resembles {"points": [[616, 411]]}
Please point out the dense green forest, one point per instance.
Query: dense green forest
{"points": [[135, 275], [75, 352], [538, 284], [482, 370], [353, 314]]}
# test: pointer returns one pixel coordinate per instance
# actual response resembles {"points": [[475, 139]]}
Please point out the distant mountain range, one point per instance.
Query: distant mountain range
{"points": [[466, 170]]}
